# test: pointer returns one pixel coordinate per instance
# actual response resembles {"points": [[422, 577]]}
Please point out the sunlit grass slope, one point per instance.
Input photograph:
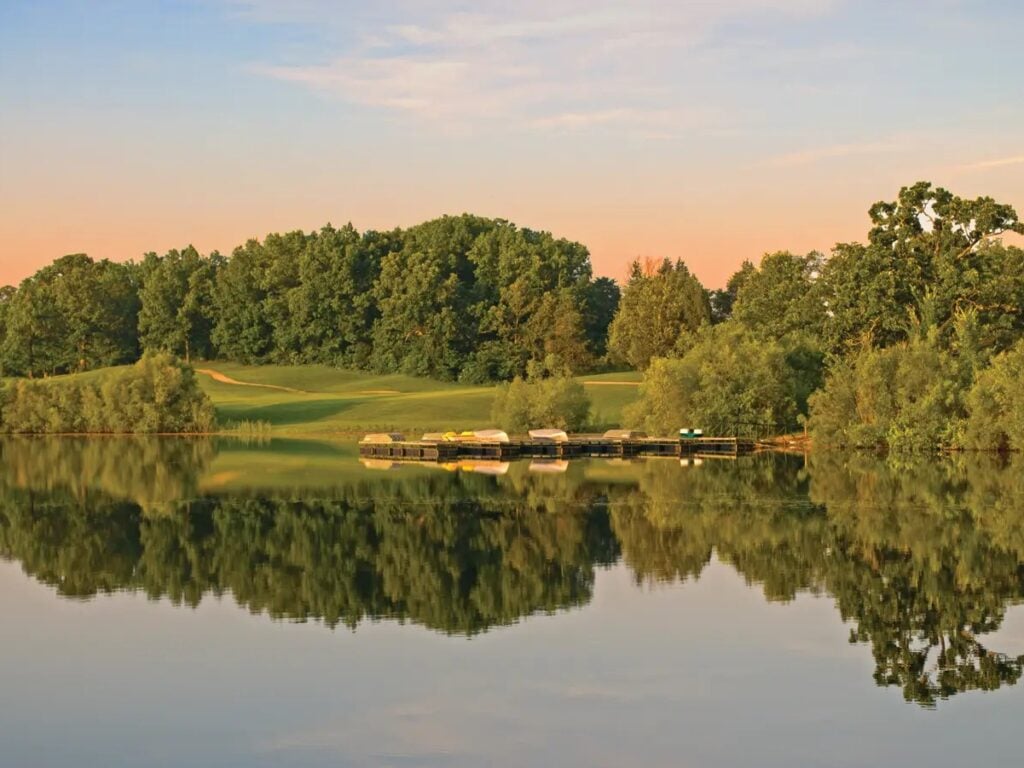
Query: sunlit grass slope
{"points": [[318, 400]]}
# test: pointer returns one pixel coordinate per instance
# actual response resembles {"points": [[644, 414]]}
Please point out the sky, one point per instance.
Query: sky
{"points": [[708, 131]]}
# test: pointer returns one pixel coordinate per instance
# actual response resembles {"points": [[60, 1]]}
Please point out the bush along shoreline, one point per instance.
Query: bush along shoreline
{"points": [[157, 395]]}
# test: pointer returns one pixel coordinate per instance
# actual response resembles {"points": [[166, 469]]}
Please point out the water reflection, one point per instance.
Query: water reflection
{"points": [[922, 559]]}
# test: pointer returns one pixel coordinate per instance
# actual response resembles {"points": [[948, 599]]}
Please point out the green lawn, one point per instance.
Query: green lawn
{"points": [[330, 401]]}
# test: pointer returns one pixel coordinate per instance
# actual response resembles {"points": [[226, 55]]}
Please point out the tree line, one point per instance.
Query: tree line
{"points": [[912, 340], [460, 297]]}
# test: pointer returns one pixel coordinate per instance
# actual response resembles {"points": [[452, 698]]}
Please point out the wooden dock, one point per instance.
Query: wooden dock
{"points": [[582, 446]]}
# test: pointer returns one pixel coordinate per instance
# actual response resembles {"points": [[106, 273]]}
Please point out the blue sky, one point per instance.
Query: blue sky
{"points": [[708, 131]]}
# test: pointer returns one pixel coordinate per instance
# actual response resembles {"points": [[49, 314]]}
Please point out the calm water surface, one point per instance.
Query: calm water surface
{"points": [[184, 603]]}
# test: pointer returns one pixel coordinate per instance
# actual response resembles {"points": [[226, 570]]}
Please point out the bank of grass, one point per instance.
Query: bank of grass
{"points": [[314, 400], [319, 401]]}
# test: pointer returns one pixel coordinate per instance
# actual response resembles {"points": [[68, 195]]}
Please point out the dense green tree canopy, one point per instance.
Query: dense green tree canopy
{"points": [[478, 298], [602, 302], [252, 299], [7, 294], [660, 307], [460, 297], [722, 300], [729, 382], [177, 312], [777, 298], [74, 315], [929, 254], [332, 310], [995, 404]]}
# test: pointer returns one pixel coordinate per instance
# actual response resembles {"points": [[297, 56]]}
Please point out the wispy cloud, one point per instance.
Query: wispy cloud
{"points": [[654, 123], [834, 151], [996, 163], [566, 65]]}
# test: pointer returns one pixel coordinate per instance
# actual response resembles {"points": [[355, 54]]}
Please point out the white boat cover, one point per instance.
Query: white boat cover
{"points": [[490, 435], [555, 435], [624, 434]]}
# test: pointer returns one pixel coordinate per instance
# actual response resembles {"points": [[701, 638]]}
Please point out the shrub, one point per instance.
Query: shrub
{"points": [[995, 404], [658, 305], [726, 380], [157, 394], [907, 398], [547, 397]]}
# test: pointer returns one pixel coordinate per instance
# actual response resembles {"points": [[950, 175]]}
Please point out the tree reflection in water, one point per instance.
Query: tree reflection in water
{"points": [[922, 559]]}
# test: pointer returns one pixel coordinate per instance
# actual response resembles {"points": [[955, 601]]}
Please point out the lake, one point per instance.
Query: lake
{"points": [[212, 603]]}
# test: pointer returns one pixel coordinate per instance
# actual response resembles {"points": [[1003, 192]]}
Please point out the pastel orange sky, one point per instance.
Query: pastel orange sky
{"points": [[711, 134]]}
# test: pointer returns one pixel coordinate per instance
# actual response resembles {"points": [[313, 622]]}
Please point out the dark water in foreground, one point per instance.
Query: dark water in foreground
{"points": [[183, 603]]}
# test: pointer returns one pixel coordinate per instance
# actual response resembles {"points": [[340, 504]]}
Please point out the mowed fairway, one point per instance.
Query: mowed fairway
{"points": [[319, 400]]}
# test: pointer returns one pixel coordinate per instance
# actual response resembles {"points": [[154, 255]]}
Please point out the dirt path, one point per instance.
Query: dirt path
{"points": [[225, 379]]}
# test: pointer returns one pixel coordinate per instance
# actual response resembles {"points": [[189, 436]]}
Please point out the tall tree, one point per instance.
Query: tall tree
{"points": [[72, 315], [558, 330], [35, 332], [723, 299], [243, 331], [658, 307], [101, 304], [7, 294], [476, 299], [425, 293], [177, 313], [929, 253], [528, 294], [332, 309], [601, 303], [777, 299]]}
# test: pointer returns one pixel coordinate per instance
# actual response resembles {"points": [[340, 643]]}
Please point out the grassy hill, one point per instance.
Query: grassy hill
{"points": [[319, 401], [316, 400]]}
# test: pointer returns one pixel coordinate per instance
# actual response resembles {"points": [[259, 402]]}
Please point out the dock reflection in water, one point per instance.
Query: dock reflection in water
{"points": [[921, 560]]}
